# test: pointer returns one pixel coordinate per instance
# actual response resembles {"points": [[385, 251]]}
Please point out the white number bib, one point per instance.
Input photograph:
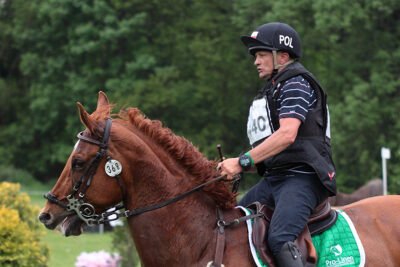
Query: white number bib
{"points": [[258, 123]]}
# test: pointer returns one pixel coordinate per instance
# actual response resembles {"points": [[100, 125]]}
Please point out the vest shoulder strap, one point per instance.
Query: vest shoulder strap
{"points": [[290, 71]]}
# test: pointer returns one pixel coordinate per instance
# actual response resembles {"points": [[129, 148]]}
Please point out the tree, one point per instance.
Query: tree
{"points": [[183, 63]]}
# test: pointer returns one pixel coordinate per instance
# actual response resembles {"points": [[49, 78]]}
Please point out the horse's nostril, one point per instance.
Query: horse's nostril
{"points": [[44, 217]]}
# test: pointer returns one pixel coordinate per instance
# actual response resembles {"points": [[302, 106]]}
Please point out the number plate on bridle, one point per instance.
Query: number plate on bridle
{"points": [[113, 167]]}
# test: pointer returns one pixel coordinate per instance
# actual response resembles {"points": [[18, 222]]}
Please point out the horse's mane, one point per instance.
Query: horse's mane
{"points": [[185, 153]]}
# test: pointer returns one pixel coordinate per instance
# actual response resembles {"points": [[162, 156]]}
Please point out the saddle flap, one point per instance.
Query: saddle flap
{"points": [[260, 235], [260, 232], [306, 247]]}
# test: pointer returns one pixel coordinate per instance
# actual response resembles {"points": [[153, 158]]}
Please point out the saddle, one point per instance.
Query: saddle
{"points": [[320, 220]]}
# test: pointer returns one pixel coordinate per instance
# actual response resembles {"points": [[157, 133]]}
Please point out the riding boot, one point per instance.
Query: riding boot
{"points": [[289, 256]]}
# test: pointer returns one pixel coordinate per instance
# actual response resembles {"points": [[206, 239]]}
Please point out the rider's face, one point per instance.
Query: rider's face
{"points": [[265, 64]]}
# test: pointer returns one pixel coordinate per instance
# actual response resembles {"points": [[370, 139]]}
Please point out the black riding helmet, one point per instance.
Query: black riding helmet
{"points": [[274, 36]]}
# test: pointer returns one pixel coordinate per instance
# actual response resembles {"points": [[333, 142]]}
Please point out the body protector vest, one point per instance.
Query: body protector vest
{"points": [[312, 145]]}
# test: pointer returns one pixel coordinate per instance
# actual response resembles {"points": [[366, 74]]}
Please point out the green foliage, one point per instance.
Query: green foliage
{"points": [[10, 174], [183, 63], [20, 234], [28, 182], [366, 98], [122, 242]]}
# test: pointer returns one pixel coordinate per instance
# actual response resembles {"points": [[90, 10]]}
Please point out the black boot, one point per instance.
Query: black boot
{"points": [[289, 256]]}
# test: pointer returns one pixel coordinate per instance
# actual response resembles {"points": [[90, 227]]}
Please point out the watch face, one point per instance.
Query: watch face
{"points": [[245, 162]]}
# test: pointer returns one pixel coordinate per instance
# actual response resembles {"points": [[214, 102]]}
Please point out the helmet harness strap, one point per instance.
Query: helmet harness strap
{"points": [[278, 66]]}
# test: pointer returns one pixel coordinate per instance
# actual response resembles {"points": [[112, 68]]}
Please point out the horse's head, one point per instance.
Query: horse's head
{"points": [[154, 163], [89, 175]]}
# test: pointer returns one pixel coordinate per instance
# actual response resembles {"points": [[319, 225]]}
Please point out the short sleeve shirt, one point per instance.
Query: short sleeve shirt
{"points": [[296, 98]]}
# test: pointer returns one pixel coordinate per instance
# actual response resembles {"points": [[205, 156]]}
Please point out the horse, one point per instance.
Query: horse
{"points": [[144, 165], [370, 189]]}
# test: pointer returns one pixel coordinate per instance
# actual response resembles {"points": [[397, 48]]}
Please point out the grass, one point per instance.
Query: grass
{"points": [[65, 250]]}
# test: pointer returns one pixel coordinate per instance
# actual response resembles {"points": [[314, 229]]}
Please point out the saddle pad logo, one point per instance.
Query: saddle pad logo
{"points": [[337, 250]]}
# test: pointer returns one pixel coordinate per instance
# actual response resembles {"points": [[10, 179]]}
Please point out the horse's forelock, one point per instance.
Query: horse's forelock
{"points": [[98, 118], [102, 112]]}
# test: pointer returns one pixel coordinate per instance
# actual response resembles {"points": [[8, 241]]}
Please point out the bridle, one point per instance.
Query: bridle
{"points": [[85, 210], [113, 168]]}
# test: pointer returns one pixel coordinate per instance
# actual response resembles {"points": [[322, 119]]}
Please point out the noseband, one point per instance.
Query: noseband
{"points": [[113, 168]]}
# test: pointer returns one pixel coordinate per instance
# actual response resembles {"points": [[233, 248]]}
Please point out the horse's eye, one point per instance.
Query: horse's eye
{"points": [[78, 164]]}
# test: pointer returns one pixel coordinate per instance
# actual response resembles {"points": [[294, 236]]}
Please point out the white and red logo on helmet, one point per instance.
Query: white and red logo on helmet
{"points": [[254, 35]]}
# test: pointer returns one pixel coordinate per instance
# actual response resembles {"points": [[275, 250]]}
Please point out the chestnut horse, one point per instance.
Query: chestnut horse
{"points": [[158, 166]]}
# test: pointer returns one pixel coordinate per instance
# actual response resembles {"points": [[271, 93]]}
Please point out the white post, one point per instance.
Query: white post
{"points": [[385, 154]]}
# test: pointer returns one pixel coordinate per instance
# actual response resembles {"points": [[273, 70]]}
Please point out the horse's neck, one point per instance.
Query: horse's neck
{"points": [[180, 232]]}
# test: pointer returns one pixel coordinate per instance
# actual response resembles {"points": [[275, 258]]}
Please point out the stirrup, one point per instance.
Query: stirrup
{"points": [[211, 264]]}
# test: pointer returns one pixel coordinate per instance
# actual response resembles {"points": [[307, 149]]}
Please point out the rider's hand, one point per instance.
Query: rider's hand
{"points": [[229, 167]]}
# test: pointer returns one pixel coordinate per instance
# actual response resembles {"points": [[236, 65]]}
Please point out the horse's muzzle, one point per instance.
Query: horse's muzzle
{"points": [[44, 218]]}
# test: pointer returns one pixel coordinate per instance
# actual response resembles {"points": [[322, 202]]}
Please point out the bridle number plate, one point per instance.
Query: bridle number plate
{"points": [[113, 167]]}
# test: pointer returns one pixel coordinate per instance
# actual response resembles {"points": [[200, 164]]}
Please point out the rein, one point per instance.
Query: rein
{"points": [[86, 211], [129, 213]]}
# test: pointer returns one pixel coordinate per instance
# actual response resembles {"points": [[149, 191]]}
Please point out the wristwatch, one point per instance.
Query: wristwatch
{"points": [[245, 162]]}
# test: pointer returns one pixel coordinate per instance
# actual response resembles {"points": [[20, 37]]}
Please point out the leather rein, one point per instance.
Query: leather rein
{"points": [[85, 210]]}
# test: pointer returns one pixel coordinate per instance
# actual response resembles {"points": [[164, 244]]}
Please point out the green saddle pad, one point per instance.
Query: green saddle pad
{"points": [[337, 246], [340, 245]]}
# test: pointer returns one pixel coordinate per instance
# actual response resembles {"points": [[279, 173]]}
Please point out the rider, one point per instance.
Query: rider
{"points": [[288, 130]]}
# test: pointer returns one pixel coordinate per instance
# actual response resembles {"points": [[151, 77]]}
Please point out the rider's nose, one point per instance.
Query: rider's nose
{"points": [[256, 61], [44, 217]]}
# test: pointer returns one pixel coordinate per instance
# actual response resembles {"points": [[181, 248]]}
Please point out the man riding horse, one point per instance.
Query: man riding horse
{"points": [[288, 130]]}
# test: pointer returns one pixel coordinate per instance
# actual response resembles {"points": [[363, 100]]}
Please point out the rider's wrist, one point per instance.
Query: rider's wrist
{"points": [[245, 161], [252, 161]]}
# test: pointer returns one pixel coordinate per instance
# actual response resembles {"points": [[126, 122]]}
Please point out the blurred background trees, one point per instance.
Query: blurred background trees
{"points": [[182, 62]]}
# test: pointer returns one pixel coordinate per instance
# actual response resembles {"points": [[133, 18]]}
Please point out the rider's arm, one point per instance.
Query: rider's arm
{"points": [[277, 142]]}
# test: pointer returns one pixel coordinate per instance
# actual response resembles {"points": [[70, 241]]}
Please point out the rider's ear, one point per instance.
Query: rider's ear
{"points": [[102, 101], [85, 118]]}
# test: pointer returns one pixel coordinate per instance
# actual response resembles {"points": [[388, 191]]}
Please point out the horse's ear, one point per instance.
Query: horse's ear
{"points": [[102, 101], [85, 118]]}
